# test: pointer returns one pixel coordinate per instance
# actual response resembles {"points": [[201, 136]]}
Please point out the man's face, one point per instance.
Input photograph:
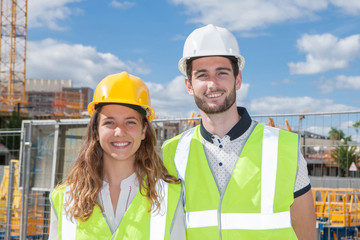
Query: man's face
{"points": [[213, 84]]}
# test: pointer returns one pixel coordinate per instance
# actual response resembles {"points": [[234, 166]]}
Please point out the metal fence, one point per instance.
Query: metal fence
{"points": [[48, 149]]}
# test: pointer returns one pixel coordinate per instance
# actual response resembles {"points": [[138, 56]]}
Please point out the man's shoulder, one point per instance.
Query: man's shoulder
{"points": [[174, 141], [282, 131], [171, 142]]}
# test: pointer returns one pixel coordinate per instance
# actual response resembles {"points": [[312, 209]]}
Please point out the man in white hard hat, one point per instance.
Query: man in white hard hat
{"points": [[241, 179]]}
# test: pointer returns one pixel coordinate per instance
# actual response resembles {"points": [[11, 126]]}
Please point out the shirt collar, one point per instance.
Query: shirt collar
{"points": [[239, 128], [130, 180]]}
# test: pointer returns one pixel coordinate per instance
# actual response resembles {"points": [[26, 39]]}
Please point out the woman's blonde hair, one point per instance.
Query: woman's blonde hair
{"points": [[86, 176]]}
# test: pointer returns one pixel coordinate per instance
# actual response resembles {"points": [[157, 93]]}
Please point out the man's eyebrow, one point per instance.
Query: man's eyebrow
{"points": [[200, 71], [217, 69], [223, 68]]}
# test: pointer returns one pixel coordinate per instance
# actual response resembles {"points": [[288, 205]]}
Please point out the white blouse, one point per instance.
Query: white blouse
{"points": [[128, 189]]}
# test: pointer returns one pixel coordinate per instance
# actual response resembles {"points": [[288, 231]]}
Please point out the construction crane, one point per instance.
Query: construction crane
{"points": [[302, 132], [288, 125], [301, 117], [13, 55]]}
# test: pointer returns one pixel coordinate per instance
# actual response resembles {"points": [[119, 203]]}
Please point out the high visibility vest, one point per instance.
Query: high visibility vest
{"points": [[137, 222], [256, 203]]}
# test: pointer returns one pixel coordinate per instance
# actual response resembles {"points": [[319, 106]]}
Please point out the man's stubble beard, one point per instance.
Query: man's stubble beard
{"points": [[228, 102]]}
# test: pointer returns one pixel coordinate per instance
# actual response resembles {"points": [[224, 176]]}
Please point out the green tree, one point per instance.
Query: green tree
{"points": [[343, 153], [337, 134], [356, 126]]}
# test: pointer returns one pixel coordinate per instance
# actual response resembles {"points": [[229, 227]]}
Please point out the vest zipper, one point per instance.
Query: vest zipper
{"points": [[219, 217], [222, 194]]}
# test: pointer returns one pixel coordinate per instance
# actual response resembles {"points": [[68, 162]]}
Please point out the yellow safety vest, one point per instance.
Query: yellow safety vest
{"points": [[256, 203], [137, 222]]}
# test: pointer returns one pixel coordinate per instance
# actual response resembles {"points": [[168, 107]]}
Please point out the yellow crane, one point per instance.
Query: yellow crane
{"points": [[13, 54], [301, 117]]}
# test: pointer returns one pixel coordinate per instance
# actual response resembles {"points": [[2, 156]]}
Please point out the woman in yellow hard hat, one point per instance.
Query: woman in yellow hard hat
{"points": [[118, 187]]}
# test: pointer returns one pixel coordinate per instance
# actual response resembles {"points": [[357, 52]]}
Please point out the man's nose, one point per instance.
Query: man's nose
{"points": [[212, 83]]}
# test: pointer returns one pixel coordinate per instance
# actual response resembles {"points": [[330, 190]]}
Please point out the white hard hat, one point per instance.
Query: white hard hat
{"points": [[210, 41]]}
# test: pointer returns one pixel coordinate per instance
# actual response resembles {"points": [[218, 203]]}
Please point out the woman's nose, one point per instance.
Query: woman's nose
{"points": [[119, 131]]}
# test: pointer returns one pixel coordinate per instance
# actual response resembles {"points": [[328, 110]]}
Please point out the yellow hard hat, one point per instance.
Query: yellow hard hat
{"points": [[123, 88]]}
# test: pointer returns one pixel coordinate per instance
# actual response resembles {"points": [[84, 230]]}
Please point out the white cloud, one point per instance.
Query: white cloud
{"points": [[321, 130], [295, 105], [340, 82], [349, 6], [51, 59], [179, 37], [245, 15], [122, 5], [325, 52], [347, 124], [242, 94], [282, 82], [45, 13], [172, 98], [348, 82]]}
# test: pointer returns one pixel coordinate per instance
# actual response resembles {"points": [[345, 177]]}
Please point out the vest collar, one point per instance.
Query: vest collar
{"points": [[239, 128]]}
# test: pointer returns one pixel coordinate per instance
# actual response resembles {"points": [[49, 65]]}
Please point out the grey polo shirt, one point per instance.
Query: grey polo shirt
{"points": [[222, 154]]}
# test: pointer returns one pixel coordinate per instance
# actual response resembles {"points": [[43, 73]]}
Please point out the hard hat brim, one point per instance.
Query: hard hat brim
{"points": [[183, 61], [150, 113]]}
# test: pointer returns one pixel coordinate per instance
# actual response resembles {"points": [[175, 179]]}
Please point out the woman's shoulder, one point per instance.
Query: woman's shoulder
{"points": [[59, 190]]}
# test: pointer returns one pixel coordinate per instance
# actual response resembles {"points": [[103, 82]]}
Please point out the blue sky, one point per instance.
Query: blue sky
{"points": [[299, 53]]}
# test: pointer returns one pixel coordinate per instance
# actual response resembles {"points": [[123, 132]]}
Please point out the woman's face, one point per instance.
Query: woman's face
{"points": [[120, 132]]}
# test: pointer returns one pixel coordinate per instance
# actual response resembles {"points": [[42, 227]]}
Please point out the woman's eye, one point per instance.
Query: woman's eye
{"points": [[131, 123], [108, 123]]}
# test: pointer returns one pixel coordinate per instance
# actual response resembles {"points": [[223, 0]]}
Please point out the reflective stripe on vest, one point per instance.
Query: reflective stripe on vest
{"points": [[244, 221], [68, 228], [182, 152], [157, 219], [267, 219]]}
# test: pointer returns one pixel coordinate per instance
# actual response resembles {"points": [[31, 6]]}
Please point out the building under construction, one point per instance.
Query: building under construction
{"points": [[56, 99], [31, 98]]}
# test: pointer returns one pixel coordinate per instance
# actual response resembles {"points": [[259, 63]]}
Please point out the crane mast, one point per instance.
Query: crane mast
{"points": [[13, 36]]}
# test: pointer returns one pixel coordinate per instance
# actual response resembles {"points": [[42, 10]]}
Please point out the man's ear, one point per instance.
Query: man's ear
{"points": [[238, 80], [189, 87]]}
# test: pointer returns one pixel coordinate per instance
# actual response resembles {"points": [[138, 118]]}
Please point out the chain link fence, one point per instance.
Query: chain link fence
{"points": [[48, 148]]}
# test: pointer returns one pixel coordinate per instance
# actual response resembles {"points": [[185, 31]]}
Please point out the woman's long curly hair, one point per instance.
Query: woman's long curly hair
{"points": [[85, 179]]}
